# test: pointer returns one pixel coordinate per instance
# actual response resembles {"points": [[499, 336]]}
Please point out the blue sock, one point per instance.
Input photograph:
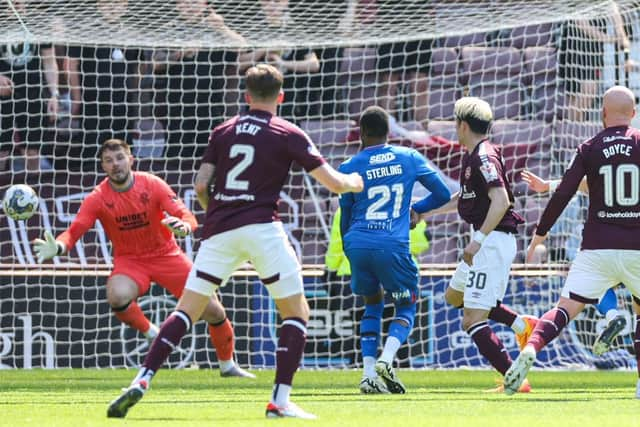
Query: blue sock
{"points": [[608, 302], [402, 325], [370, 327]]}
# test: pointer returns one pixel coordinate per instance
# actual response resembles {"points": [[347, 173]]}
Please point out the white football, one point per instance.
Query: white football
{"points": [[20, 202]]}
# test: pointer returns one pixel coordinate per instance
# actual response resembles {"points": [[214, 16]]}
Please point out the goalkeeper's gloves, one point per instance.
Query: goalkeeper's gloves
{"points": [[47, 248], [177, 226]]}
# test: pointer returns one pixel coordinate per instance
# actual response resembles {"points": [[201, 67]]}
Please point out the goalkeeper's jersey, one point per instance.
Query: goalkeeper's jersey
{"points": [[131, 218]]}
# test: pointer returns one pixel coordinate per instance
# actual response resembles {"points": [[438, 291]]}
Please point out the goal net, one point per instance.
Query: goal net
{"points": [[162, 74]]}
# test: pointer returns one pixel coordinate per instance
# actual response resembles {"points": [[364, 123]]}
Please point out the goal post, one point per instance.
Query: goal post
{"points": [[162, 74]]}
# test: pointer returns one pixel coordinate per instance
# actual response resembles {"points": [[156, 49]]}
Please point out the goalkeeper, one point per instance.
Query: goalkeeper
{"points": [[141, 214]]}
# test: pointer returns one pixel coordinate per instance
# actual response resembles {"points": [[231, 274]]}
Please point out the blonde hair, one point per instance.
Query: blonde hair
{"points": [[476, 112]]}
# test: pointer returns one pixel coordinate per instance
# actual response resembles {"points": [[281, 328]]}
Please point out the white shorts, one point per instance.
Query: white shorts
{"points": [[593, 271], [266, 246], [488, 277]]}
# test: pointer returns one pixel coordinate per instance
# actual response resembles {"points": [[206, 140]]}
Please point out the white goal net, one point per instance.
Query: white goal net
{"points": [[161, 74]]}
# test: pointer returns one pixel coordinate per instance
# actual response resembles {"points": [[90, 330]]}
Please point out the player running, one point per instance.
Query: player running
{"points": [[247, 162], [140, 214], [610, 250], [375, 228]]}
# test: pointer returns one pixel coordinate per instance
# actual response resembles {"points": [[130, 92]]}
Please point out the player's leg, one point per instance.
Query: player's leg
{"points": [[366, 284], [171, 273], [216, 260], [616, 322], [399, 276], [128, 281], [522, 325], [589, 277], [275, 261]]}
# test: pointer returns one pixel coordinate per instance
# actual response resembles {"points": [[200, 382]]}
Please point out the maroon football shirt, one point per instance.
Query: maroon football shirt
{"points": [[611, 162], [482, 169], [252, 154]]}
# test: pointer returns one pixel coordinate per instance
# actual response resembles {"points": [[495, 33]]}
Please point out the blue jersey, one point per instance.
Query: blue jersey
{"points": [[378, 217]]}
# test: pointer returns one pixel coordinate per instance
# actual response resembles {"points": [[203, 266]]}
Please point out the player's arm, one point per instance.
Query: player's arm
{"points": [[337, 182], [449, 206], [440, 194], [178, 218], [203, 182], [50, 247], [564, 193], [540, 185]]}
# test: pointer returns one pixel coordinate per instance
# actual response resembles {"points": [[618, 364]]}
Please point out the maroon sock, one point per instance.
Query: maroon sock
{"points": [[636, 342], [293, 335], [503, 314], [549, 326], [490, 346], [171, 332]]}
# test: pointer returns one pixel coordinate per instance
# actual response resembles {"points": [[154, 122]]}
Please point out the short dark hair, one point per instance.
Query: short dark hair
{"points": [[476, 112], [264, 82], [374, 122], [113, 145]]}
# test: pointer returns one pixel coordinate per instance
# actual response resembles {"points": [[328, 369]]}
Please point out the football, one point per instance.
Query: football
{"points": [[20, 202]]}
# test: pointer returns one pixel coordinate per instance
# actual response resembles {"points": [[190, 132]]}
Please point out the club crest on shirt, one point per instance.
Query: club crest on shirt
{"points": [[109, 204], [144, 198], [489, 171], [467, 172]]}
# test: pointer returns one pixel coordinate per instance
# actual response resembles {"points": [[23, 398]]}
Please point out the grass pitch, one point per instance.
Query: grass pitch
{"points": [[201, 398]]}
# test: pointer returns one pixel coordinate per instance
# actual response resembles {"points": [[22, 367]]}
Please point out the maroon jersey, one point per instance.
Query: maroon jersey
{"points": [[252, 154], [611, 162], [482, 169]]}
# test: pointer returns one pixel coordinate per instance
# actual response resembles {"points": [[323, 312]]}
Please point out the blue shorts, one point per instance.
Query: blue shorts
{"points": [[396, 271]]}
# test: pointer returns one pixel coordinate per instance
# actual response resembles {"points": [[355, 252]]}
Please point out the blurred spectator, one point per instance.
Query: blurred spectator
{"points": [[191, 82], [581, 59], [106, 75], [28, 97]]}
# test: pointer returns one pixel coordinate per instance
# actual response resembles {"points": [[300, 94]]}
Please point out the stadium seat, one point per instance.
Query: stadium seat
{"points": [[569, 134], [443, 250], [339, 152], [521, 141], [323, 132], [493, 74], [531, 35], [358, 65], [540, 66], [443, 128]]}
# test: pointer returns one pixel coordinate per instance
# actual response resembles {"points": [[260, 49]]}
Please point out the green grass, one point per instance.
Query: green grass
{"points": [[201, 398]]}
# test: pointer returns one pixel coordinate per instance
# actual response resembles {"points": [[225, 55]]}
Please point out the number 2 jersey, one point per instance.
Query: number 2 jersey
{"points": [[379, 215], [252, 154], [131, 218], [611, 162]]}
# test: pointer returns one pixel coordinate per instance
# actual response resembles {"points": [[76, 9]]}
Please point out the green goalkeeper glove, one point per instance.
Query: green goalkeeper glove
{"points": [[47, 248], [177, 226]]}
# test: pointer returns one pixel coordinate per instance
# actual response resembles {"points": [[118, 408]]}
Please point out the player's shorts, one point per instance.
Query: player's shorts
{"points": [[593, 271], [170, 271], [266, 246], [395, 271], [489, 275]]}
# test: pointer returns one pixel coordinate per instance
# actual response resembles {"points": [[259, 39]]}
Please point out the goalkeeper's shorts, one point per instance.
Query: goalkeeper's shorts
{"points": [[168, 271]]}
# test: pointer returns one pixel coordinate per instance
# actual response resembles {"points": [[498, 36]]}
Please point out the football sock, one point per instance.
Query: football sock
{"points": [[369, 366], [608, 302], [636, 343], [550, 325], [506, 316], [490, 346], [370, 327], [293, 335], [171, 332], [399, 331], [152, 332], [391, 346], [222, 338], [132, 315]]}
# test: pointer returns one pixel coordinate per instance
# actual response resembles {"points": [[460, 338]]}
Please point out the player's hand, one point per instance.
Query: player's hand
{"points": [[47, 248], [415, 218], [6, 86], [470, 251], [355, 182], [535, 241], [52, 109], [177, 226], [534, 182]]}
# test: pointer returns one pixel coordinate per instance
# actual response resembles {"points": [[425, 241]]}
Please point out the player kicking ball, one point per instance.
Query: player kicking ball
{"points": [[610, 250], [141, 214], [247, 162]]}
